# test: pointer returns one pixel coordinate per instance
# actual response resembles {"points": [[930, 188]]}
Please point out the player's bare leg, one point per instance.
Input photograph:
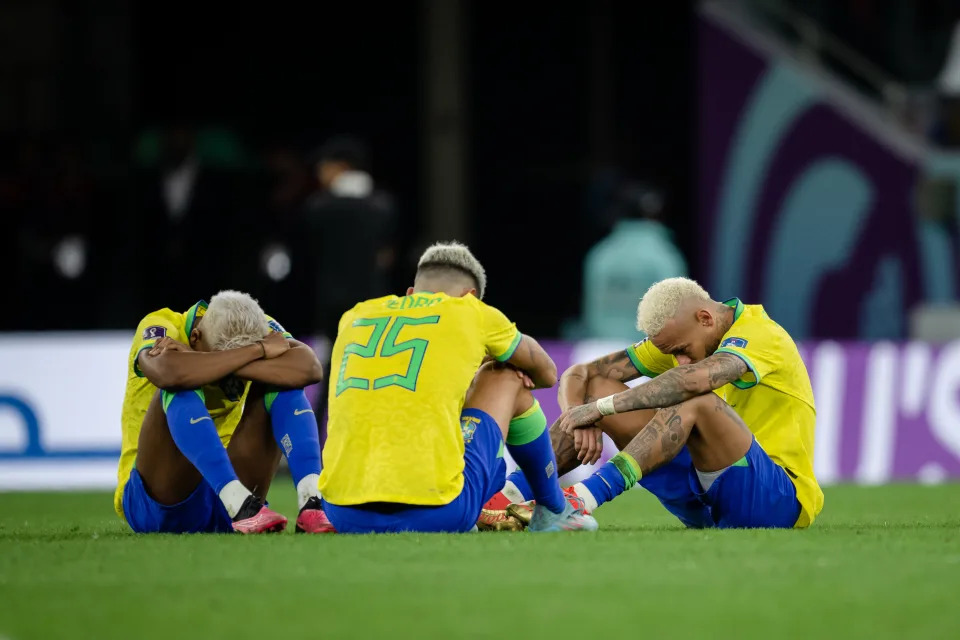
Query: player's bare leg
{"points": [[179, 448], [168, 475], [713, 433], [499, 391], [252, 449], [256, 456]]}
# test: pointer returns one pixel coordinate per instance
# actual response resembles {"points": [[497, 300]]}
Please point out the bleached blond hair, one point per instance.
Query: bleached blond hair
{"points": [[457, 256], [662, 301], [233, 319]]}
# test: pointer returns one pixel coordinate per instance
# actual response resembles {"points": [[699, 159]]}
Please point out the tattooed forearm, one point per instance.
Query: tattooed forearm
{"points": [[682, 383]]}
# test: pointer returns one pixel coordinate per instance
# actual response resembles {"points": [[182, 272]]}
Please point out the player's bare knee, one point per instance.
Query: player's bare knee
{"points": [[502, 375]]}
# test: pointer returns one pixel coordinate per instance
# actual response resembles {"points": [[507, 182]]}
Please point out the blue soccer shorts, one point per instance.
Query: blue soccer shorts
{"points": [[754, 493], [483, 476], [201, 512]]}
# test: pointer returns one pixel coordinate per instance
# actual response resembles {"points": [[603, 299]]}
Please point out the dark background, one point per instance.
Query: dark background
{"points": [[560, 101]]}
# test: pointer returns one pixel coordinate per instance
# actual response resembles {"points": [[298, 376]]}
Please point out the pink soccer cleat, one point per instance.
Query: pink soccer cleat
{"points": [[263, 520], [312, 519]]}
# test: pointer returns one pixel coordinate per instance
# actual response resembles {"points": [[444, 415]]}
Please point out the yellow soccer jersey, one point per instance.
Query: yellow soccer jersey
{"points": [[774, 397], [399, 372], [225, 406]]}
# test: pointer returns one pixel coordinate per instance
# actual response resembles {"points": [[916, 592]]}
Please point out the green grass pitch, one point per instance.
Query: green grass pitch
{"points": [[881, 562]]}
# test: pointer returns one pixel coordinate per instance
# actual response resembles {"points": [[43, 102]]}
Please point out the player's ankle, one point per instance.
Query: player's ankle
{"points": [[250, 507]]}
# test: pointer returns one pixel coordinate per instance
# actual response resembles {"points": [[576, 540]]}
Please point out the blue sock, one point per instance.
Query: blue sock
{"points": [[529, 443], [613, 478], [295, 429], [196, 436], [520, 482]]}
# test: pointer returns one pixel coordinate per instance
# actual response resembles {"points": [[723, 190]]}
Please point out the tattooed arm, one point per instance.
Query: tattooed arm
{"points": [[576, 380], [530, 358], [682, 383], [670, 388]]}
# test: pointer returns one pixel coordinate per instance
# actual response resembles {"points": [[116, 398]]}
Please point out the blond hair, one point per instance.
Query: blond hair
{"points": [[455, 256], [662, 301], [233, 319]]}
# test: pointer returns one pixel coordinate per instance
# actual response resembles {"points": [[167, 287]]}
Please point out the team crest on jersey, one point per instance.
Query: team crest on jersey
{"points": [[153, 333], [468, 425], [739, 343]]}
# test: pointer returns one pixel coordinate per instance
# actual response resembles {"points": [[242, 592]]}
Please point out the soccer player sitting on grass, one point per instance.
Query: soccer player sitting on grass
{"points": [[723, 434], [211, 393], [416, 431]]}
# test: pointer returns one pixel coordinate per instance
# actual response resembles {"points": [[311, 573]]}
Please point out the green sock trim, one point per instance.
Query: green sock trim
{"points": [[167, 397], [742, 462], [628, 468], [527, 426], [268, 399]]}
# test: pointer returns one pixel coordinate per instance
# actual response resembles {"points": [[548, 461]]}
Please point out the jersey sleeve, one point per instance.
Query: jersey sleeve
{"points": [[500, 336], [757, 346], [152, 328], [276, 326], [649, 360]]}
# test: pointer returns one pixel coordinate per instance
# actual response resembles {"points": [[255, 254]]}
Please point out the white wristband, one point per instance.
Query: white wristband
{"points": [[605, 406]]}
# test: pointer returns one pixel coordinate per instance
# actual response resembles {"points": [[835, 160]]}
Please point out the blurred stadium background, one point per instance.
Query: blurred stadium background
{"points": [[802, 154]]}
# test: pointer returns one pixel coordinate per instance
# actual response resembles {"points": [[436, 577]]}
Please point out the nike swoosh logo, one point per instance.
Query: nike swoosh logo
{"points": [[300, 412], [196, 420]]}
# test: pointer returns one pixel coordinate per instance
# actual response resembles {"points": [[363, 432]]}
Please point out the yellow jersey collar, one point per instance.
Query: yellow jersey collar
{"points": [[736, 305], [193, 314]]}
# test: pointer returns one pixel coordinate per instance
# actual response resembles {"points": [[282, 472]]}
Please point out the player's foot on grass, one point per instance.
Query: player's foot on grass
{"points": [[498, 520], [570, 519], [255, 517], [523, 511], [312, 519]]}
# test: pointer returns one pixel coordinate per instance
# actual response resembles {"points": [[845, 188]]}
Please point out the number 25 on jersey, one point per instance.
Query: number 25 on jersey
{"points": [[389, 347]]}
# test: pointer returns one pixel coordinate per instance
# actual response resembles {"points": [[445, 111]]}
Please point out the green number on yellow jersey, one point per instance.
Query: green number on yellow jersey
{"points": [[390, 348]]}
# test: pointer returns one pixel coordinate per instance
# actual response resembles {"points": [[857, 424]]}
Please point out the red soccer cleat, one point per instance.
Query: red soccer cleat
{"points": [[312, 519], [265, 520], [498, 502]]}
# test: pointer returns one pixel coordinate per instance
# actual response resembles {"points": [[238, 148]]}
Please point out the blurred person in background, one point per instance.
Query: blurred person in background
{"points": [[638, 252], [280, 250], [184, 201], [946, 130], [350, 227], [53, 202]]}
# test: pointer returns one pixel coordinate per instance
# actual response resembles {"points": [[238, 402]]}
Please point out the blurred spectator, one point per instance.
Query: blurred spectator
{"points": [[947, 130], [189, 211], [350, 232], [52, 202], [621, 267], [282, 256]]}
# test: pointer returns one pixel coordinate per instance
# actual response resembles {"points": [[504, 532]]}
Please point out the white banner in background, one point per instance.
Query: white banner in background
{"points": [[60, 401]]}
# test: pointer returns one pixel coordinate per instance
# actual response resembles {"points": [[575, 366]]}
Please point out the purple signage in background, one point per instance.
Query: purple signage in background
{"points": [[805, 201]]}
